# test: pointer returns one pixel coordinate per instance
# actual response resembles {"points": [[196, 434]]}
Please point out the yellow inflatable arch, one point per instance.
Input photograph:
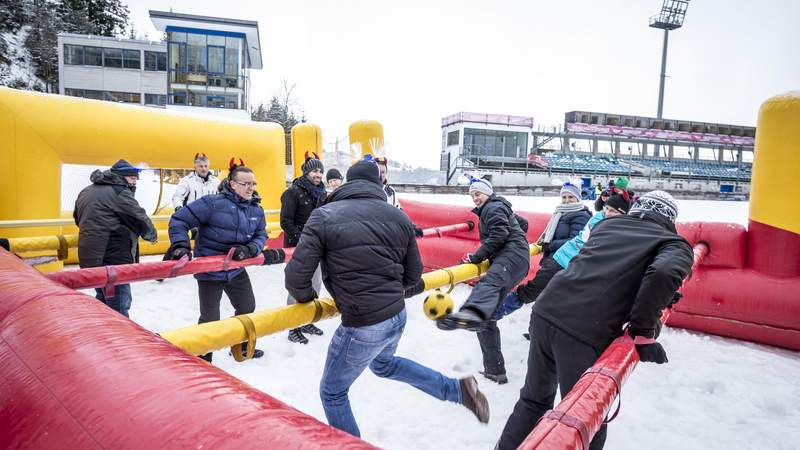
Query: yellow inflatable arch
{"points": [[40, 132]]}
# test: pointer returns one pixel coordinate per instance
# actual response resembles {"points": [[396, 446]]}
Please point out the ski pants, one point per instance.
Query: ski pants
{"points": [[239, 292], [555, 359]]}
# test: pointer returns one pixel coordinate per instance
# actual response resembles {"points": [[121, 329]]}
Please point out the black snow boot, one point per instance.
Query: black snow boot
{"points": [[499, 378], [466, 319], [311, 329], [256, 353], [296, 336], [473, 399], [207, 356]]}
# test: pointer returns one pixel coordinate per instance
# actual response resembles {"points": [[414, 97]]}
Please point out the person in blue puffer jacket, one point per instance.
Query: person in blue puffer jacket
{"points": [[231, 219]]}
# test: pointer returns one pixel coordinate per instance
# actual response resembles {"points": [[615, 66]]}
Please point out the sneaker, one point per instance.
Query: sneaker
{"points": [[466, 319], [311, 329], [473, 399], [296, 336], [499, 378]]}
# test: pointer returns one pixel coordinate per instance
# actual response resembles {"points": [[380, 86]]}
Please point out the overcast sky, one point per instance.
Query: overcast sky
{"points": [[408, 64]]}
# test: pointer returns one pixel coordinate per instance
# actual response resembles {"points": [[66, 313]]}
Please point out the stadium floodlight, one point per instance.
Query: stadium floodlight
{"points": [[671, 17]]}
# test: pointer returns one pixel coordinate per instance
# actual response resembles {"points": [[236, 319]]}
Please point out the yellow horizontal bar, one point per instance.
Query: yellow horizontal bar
{"points": [[206, 337]]}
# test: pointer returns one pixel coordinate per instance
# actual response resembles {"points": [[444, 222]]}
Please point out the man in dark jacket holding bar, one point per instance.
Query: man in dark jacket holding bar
{"points": [[627, 272], [369, 256], [231, 219], [110, 222]]}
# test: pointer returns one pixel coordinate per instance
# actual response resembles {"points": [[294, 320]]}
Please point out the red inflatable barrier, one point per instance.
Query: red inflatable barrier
{"points": [[75, 374]]}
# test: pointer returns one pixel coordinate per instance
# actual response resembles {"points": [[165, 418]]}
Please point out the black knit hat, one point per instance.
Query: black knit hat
{"points": [[364, 170], [312, 163], [619, 203], [124, 169], [333, 174]]}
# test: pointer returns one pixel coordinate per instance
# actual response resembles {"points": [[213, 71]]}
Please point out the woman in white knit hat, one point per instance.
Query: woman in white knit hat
{"points": [[503, 243]]}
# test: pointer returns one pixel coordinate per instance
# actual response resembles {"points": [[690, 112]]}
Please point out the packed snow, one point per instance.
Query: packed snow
{"points": [[714, 393]]}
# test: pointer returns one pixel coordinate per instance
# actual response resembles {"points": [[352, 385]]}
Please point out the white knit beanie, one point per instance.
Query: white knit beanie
{"points": [[657, 201], [481, 185]]}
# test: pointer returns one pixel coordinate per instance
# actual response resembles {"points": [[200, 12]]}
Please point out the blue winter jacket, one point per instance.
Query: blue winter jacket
{"points": [[223, 221], [568, 227], [571, 248]]}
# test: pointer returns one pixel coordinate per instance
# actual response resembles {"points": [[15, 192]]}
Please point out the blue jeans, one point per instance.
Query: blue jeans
{"points": [[120, 302], [353, 349]]}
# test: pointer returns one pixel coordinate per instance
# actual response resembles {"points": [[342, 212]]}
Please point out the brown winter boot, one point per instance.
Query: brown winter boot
{"points": [[473, 399]]}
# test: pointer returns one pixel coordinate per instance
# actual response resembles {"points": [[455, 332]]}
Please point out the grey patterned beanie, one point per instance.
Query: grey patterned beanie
{"points": [[659, 202]]}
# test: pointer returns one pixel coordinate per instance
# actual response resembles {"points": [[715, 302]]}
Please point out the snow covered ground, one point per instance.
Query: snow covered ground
{"points": [[715, 393]]}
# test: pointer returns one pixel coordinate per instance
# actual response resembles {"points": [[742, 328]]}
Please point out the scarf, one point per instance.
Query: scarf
{"points": [[316, 191], [550, 229]]}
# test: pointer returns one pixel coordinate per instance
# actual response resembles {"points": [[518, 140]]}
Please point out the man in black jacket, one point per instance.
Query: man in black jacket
{"points": [[110, 222], [504, 244], [369, 256], [297, 203], [626, 272]]}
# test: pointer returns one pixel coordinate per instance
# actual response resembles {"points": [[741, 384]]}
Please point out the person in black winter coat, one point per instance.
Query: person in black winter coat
{"points": [[369, 256], [567, 222], [303, 196], [504, 244], [110, 222], [627, 272]]}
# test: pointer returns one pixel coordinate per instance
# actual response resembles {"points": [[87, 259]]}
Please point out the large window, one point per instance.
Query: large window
{"points": [[155, 99], [119, 97], [112, 57], [93, 56], [509, 144], [156, 61], [453, 137], [206, 68], [131, 59], [73, 54]]}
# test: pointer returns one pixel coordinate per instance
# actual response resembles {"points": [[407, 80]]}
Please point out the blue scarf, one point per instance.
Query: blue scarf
{"points": [[316, 191]]}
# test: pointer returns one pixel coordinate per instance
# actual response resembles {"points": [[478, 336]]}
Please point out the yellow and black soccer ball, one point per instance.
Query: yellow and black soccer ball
{"points": [[437, 304]]}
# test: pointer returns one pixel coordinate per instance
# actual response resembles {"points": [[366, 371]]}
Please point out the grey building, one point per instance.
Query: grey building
{"points": [[204, 62]]}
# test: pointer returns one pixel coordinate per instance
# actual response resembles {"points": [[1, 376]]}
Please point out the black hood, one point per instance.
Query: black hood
{"points": [[357, 189], [108, 177], [493, 198]]}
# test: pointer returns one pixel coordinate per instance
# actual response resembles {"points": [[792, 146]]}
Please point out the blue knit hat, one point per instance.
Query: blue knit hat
{"points": [[125, 169]]}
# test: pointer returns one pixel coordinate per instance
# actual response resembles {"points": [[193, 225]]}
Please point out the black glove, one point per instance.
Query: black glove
{"points": [[545, 247], [241, 252], [274, 256], [652, 353], [4, 243], [314, 296], [676, 297], [418, 231], [177, 208], [177, 251]]}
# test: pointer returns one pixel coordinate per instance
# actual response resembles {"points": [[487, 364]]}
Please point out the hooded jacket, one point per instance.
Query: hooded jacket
{"points": [[223, 220], [110, 222], [627, 271], [368, 253], [500, 229], [191, 187], [297, 203]]}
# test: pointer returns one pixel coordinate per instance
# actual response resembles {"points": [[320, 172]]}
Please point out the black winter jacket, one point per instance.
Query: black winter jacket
{"points": [[569, 226], [627, 271], [500, 229], [368, 253], [297, 203], [110, 222]]}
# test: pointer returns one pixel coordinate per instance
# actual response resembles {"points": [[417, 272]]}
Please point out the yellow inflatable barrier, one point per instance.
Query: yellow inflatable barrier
{"points": [[306, 137], [206, 337]]}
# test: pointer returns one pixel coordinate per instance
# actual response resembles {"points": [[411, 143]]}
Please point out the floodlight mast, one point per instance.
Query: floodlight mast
{"points": [[671, 17]]}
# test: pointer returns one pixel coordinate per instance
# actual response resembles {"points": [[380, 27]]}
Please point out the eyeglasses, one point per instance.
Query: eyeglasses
{"points": [[247, 185]]}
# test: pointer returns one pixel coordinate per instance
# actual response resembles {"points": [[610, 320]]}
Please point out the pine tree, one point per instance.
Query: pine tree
{"points": [[42, 41], [107, 17], [75, 16], [279, 112], [13, 15]]}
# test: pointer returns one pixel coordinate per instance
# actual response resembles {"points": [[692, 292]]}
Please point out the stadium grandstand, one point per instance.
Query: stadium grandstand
{"points": [[678, 155]]}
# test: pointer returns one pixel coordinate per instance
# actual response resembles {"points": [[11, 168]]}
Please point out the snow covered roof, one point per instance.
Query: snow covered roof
{"points": [[164, 19]]}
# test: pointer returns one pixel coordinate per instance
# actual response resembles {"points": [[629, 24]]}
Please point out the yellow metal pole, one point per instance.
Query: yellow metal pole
{"points": [[206, 337]]}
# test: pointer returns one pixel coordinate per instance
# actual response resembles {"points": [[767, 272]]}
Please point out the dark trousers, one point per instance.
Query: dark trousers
{"points": [[493, 361], [548, 268], [555, 359], [505, 272], [239, 292]]}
